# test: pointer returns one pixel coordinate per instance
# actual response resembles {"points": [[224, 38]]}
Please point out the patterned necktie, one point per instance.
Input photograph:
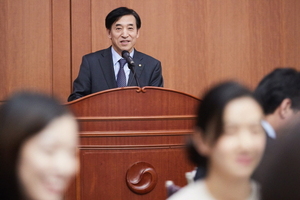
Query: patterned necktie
{"points": [[121, 78]]}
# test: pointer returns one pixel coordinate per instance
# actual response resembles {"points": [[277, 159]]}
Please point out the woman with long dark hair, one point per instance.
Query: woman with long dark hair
{"points": [[38, 139], [228, 144]]}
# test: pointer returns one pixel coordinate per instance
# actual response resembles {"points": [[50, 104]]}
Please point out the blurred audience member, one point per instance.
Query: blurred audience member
{"points": [[228, 143], [38, 139], [281, 178], [279, 94]]}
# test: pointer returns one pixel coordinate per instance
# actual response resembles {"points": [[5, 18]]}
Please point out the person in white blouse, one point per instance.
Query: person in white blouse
{"points": [[228, 142]]}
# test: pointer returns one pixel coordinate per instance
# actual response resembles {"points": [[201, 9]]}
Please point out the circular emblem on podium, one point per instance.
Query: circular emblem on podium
{"points": [[141, 178]]}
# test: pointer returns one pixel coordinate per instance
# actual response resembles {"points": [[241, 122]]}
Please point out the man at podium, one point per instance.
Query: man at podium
{"points": [[107, 68]]}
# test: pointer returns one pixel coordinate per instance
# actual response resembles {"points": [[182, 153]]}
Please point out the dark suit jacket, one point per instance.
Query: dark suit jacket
{"points": [[260, 170], [97, 73]]}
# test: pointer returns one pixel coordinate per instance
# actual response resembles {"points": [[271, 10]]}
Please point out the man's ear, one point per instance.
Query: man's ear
{"points": [[108, 33], [200, 144], [285, 108]]}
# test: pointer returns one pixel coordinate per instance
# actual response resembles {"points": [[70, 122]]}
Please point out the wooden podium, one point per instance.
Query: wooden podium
{"points": [[131, 141]]}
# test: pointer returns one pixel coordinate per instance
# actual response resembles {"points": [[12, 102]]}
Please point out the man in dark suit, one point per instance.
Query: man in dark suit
{"points": [[99, 70], [279, 94]]}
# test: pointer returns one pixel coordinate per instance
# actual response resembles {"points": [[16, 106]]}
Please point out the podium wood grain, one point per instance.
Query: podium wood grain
{"points": [[124, 127]]}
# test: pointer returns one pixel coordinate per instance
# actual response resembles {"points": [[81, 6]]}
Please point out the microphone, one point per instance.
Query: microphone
{"points": [[128, 58]]}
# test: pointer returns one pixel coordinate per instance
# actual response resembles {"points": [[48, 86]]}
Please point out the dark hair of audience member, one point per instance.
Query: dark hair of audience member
{"points": [[275, 87], [210, 114], [117, 13], [21, 117], [282, 173]]}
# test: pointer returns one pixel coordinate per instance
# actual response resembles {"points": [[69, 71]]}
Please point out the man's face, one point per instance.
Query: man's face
{"points": [[123, 34]]}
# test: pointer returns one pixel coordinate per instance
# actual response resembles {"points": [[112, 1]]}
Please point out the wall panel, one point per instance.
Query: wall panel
{"points": [[199, 42], [3, 48], [61, 44], [27, 46], [266, 49], [81, 41], [291, 33]]}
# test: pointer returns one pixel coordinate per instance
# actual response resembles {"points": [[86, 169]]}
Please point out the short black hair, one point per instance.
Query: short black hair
{"points": [[117, 13], [210, 113], [278, 85]]}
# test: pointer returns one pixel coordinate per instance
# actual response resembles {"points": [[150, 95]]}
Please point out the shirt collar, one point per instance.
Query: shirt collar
{"points": [[269, 129]]}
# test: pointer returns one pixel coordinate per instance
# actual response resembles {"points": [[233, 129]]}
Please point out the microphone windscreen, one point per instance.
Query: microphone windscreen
{"points": [[125, 53]]}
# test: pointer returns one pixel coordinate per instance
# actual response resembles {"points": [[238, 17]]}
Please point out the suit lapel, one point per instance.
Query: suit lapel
{"points": [[107, 68], [139, 66]]}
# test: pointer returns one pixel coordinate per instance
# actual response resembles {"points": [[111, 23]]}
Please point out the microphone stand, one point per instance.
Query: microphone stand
{"points": [[131, 67]]}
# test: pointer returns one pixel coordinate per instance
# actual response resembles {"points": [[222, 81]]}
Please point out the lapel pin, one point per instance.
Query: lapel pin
{"points": [[140, 65]]}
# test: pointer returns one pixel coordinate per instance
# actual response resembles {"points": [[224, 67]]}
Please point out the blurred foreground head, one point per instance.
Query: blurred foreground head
{"points": [[38, 139], [229, 137]]}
